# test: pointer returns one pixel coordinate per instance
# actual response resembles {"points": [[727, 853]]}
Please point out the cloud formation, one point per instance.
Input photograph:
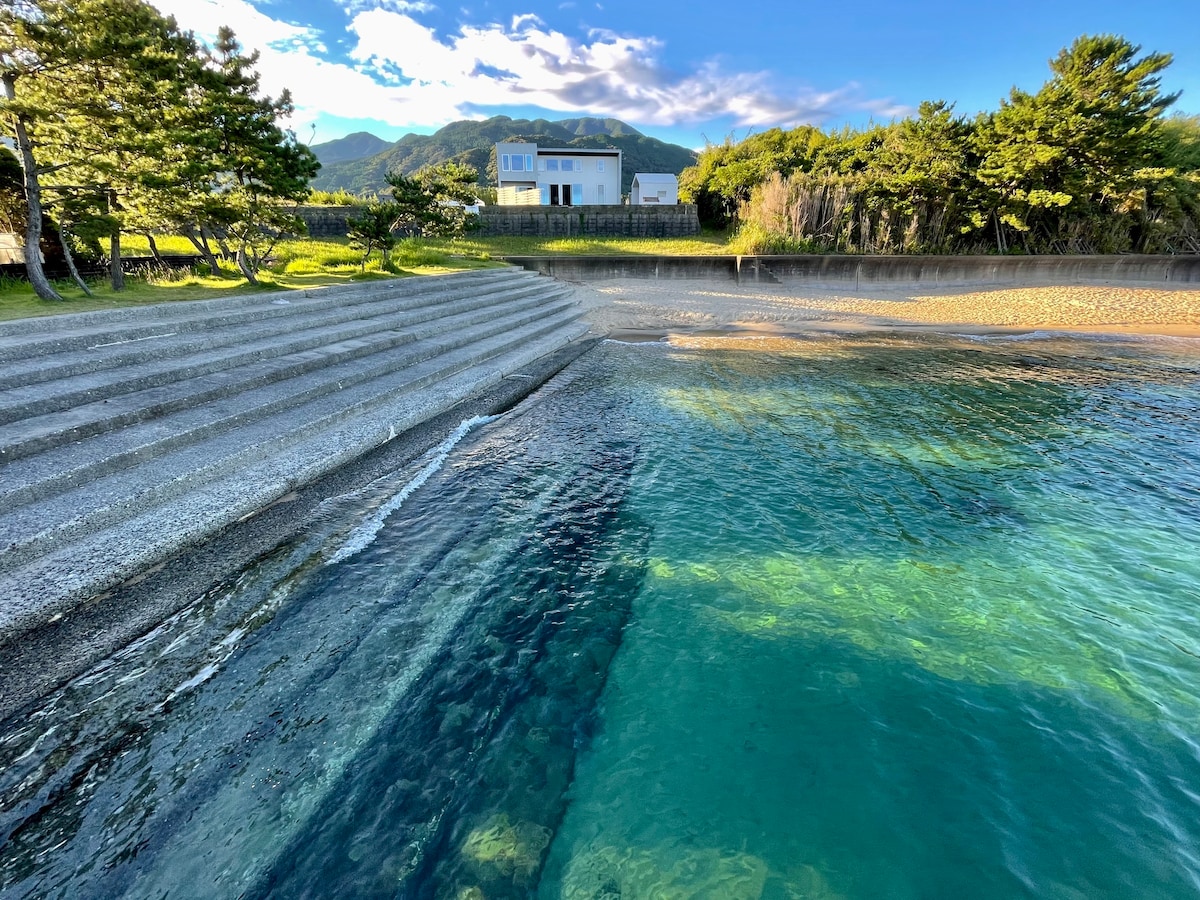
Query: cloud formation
{"points": [[401, 71]]}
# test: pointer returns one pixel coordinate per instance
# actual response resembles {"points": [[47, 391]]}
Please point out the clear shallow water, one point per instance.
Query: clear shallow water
{"points": [[841, 617]]}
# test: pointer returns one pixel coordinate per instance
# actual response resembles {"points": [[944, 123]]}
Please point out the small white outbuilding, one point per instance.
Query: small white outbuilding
{"points": [[654, 187]]}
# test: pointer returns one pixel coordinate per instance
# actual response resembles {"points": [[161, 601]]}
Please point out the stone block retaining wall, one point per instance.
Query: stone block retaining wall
{"points": [[590, 221], [327, 221]]}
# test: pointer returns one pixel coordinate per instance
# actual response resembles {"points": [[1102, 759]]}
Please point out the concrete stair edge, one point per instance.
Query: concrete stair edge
{"points": [[285, 428], [46, 587], [136, 405], [248, 404], [196, 319], [166, 311], [29, 400]]}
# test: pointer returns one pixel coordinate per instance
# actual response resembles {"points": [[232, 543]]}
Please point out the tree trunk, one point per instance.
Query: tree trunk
{"points": [[202, 245], [225, 251], [154, 249], [33, 199], [66, 248], [1000, 248], [243, 264], [115, 272]]}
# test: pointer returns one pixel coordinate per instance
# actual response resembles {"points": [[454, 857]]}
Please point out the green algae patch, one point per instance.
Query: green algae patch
{"points": [[509, 848], [932, 614]]}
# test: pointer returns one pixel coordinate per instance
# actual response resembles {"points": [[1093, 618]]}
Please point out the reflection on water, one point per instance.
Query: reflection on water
{"points": [[838, 617]]}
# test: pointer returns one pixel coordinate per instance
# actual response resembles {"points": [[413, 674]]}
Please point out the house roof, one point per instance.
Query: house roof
{"points": [[655, 178], [577, 151]]}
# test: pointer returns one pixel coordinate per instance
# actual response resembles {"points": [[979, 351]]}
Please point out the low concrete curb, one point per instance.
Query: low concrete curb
{"points": [[859, 271]]}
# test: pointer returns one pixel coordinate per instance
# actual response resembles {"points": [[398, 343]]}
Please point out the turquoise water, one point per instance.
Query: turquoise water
{"points": [[837, 617]]}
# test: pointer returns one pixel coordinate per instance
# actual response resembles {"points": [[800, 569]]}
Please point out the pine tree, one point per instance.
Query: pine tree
{"points": [[97, 79], [256, 166], [1079, 142]]}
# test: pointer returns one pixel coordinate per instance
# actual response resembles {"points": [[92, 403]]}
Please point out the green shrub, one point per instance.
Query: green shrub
{"points": [[754, 239], [340, 197]]}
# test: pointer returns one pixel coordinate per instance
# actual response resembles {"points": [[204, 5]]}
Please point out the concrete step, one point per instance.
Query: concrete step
{"points": [[25, 338], [89, 561], [115, 457], [152, 368], [72, 462], [155, 389], [211, 453]]}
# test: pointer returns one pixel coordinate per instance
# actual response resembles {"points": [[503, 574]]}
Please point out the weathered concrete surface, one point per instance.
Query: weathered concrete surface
{"points": [[596, 268], [858, 271], [37, 661], [133, 435]]}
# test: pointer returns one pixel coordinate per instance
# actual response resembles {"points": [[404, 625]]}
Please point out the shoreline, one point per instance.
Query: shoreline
{"points": [[637, 309]]}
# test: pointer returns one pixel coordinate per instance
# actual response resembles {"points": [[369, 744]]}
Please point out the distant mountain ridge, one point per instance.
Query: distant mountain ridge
{"points": [[359, 145], [472, 143]]}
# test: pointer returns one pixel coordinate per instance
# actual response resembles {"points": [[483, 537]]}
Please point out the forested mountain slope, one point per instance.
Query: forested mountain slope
{"points": [[473, 142]]}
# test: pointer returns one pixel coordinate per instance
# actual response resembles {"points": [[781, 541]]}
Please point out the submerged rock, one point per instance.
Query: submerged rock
{"points": [[512, 848]]}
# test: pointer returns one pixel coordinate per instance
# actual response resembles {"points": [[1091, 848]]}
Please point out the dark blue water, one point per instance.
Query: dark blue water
{"points": [[839, 617]]}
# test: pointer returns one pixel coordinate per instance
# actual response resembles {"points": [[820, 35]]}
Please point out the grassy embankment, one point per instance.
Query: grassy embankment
{"points": [[314, 262]]}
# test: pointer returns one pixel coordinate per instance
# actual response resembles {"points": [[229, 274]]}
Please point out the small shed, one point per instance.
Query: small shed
{"points": [[654, 187]]}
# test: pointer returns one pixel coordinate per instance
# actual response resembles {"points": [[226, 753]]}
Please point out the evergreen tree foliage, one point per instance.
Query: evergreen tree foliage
{"points": [[432, 202], [122, 122], [1086, 164], [373, 229], [255, 166]]}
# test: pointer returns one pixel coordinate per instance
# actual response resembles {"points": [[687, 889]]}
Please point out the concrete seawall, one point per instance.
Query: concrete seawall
{"points": [[859, 271]]}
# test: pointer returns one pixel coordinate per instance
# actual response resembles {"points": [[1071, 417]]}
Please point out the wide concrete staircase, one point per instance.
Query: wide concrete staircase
{"points": [[129, 434]]}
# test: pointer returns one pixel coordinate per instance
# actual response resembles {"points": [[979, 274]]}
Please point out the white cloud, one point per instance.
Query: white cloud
{"points": [[253, 28], [397, 6], [529, 64], [402, 72]]}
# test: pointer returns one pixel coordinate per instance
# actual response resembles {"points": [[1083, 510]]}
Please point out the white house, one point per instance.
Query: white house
{"points": [[546, 176], [654, 187]]}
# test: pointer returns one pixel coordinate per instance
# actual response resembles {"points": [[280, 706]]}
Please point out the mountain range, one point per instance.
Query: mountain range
{"points": [[359, 162]]}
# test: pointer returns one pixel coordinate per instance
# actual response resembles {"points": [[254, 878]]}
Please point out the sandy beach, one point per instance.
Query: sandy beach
{"points": [[631, 306]]}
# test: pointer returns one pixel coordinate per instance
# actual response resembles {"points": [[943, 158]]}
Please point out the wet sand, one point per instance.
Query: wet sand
{"points": [[629, 307]]}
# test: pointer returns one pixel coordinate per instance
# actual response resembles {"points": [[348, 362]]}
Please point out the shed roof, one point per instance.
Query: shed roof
{"points": [[655, 178]]}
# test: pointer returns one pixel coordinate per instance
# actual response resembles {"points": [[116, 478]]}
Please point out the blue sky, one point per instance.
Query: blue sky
{"points": [[683, 72]]}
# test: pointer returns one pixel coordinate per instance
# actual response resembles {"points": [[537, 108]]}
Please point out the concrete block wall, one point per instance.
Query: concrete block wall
{"points": [[590, 221], [327, 221], [542, 221]]}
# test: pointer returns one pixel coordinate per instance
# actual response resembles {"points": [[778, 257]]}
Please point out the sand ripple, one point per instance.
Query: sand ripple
{"points": [[631, 305]]}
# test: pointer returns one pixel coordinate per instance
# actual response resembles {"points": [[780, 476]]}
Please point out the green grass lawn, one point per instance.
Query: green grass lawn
{"points": [[316, 262], [710, 243]]}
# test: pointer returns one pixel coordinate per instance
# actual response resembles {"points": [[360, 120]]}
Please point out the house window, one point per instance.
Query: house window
{"points": [[662, 196], [599, 193], [518, 163], [568, 165], [552, 165], [528, 162], [504, 163], [599, 165], [577, 194]]}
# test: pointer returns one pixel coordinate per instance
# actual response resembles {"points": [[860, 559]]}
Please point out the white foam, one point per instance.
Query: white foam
{"points": [[364, 535], [195, 681], [1004, 337]]}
